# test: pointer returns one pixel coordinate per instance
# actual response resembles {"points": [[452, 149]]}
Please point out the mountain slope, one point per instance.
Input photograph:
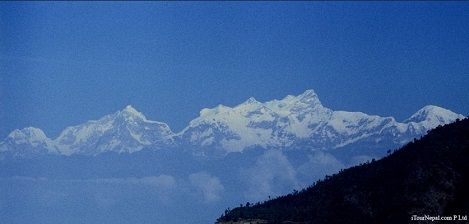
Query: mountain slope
{"points": [[125, 131], [302, 121], [26, 141], [290, 123], [427, 177]]}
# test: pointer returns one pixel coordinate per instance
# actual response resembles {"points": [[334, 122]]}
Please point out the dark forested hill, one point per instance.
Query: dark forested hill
{"points": [[429, 176]]}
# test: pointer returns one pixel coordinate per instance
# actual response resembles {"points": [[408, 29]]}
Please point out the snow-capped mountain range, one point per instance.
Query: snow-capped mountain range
{"points": [[294, 121]]}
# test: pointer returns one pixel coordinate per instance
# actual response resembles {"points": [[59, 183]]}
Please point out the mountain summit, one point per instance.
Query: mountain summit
{"points": [[433, 114], [26, 141], [125, 131], [292, 122], [302, 121], [132, 113]]}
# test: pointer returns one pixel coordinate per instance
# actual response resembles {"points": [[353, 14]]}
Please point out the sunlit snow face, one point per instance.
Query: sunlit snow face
{"points": [[281, 123]]}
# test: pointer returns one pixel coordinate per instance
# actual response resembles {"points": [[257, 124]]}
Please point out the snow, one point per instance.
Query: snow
{"points": [[133, 112], [351, 140], [138, 137], [30, 135], [431, 116], [29, 138], [275, 123], [124, 131], [251, 100], [296, 118]]}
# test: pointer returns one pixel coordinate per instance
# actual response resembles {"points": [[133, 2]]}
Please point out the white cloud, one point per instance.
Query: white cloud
{"points": [[210, 186], [271, 175], [319, 165]]}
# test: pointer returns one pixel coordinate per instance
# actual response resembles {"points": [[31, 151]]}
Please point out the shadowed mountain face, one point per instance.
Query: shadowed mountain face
{"points": [[429, 176]]}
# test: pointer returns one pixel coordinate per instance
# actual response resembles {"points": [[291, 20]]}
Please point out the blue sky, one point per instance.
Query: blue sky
{"points": [[64, 63]]}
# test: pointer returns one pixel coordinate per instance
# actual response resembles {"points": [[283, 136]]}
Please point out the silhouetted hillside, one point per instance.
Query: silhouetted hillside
{"points": [[429, 176]]}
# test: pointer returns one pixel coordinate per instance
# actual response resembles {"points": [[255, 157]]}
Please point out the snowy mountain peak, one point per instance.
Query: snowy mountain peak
{"points": [[208, 112], [126, 131], [309, 93], [129, 108], [29, 134], [131, 112], [434, 114], [299, 119], [309, 96], [290, 122], [308, 100], [251, 100], [26, 141]]}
